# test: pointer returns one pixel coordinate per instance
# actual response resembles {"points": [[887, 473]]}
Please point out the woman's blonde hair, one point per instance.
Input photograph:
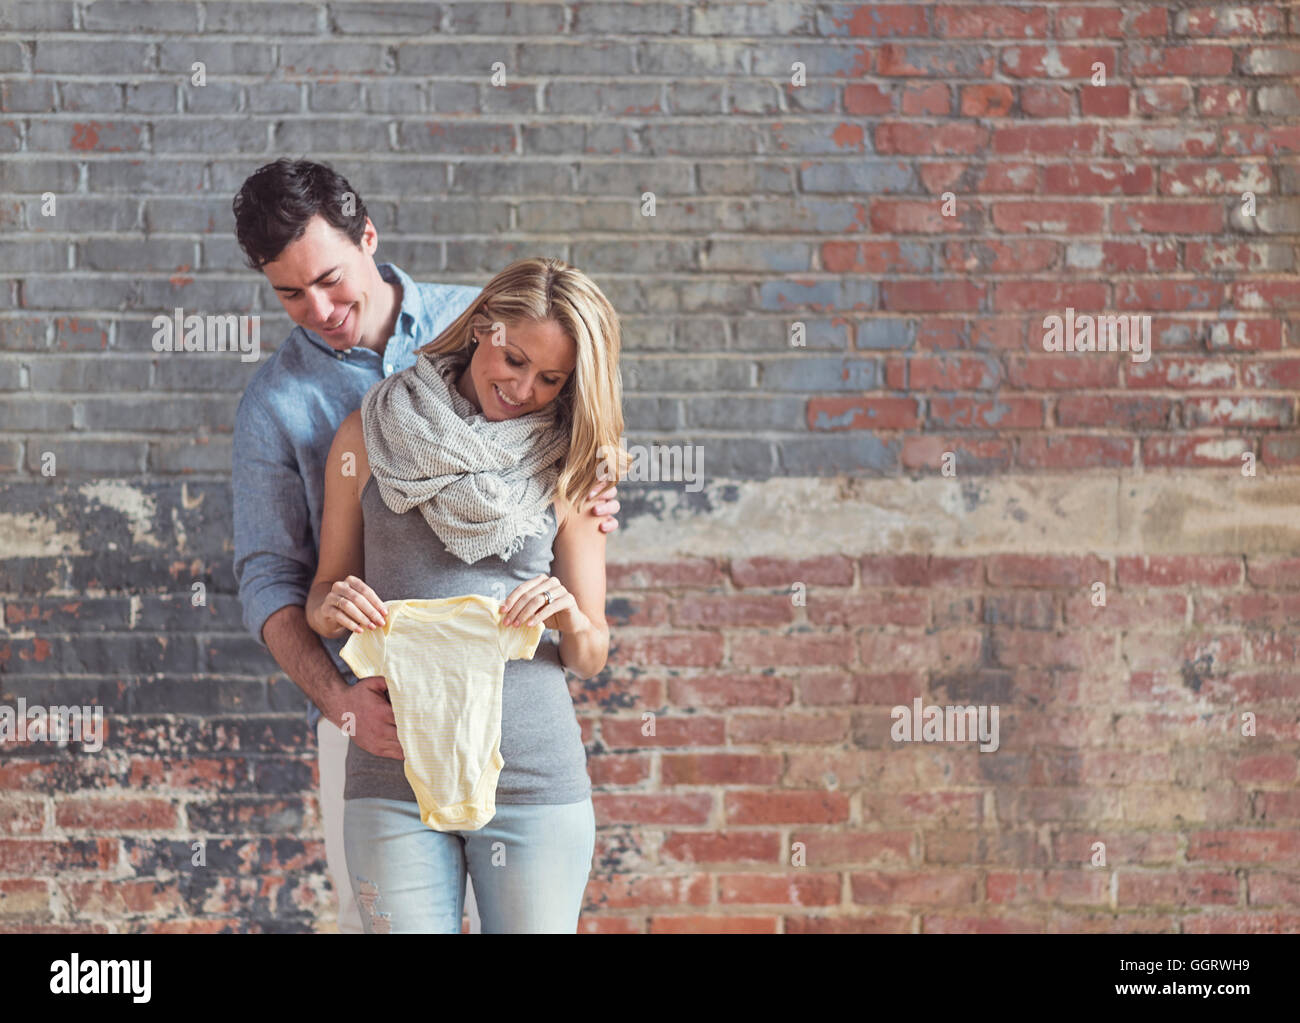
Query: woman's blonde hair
{"points": [[590, 405]]}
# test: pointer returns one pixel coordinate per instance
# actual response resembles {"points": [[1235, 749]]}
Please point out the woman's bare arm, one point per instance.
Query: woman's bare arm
{"points": [[352, 605], [578, 561]]}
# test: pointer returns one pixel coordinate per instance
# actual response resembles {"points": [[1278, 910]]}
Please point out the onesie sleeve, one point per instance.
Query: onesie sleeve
{"points": [[364, 652], [517, 643]]}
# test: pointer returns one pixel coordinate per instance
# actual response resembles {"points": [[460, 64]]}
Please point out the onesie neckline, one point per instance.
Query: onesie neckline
{"points": [[425, 615]]}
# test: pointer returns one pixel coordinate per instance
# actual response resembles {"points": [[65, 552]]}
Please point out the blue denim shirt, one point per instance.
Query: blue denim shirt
{"points": [[284, 427]]}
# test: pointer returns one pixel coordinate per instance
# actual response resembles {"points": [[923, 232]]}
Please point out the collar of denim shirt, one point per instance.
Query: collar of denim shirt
{"points": [[412, 320]]}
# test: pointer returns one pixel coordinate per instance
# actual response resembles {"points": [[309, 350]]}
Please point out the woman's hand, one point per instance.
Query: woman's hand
{"points": [[526, 606], [352, 605]]}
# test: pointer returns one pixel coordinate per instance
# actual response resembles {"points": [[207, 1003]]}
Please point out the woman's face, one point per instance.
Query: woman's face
{"points": [[527, 362]]}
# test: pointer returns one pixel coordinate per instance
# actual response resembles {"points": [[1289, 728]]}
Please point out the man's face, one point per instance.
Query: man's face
{"points": [[326, 284]]}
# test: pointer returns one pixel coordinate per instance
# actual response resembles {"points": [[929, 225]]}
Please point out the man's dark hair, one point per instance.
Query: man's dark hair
{"points": [[278, 199]]}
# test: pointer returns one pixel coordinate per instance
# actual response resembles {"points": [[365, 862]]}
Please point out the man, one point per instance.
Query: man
{"points": [[357, 322]]}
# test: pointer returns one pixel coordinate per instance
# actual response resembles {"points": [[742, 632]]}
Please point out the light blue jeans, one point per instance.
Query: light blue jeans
{"points": [[529, 864]]}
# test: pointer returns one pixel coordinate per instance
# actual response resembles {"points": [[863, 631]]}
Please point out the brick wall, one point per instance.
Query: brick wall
{"points": [[918, 501]]}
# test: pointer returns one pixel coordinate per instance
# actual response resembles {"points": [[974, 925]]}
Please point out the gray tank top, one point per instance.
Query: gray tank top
{"points": [[541, 743]]}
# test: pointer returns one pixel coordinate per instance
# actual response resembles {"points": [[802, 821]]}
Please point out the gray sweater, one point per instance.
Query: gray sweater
{"points": [[540, 740]]}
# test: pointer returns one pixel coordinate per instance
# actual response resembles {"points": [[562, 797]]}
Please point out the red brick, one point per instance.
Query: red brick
{"points": [[835, 414], [1064, 372], [1178, 570], [913, 888], [927, 100], [1045, 138], [1168, 217], [1047, 101], [864, 100], [985, 100], [1244, 845], [115, 814], [745, 846], [929, 139], [986, 414], [1048, 217], [631, 891], [920, 570], [1179, 61], [786, 807], [796, 887], [909, 216], [1105, 100], [971, 455], [1222, 100], [669, 730], [719, 769], [1164, 100], [1088, 22], [1194, 451], [753, 690], [1099, 178], [1035, 61], [876, 923], [948, 372], [659, 924], [828, 570], [649, 809], [925, 296], [1087, 886]]}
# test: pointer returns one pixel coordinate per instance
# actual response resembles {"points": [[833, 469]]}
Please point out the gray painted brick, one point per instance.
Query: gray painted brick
{"points": [[152, 98], [721, 413], [814, 373], [78, 57], [859, 176], [149, 414], [217, 56], [883, 334], [505, 19], [201, 454], [264, 19], [630, 19], [96, 97], [89, 373], [694, 98], [832, 294], [854, 451], [35, 96], [50, 15], [216, 97], [687, 374], [142, 16], [117, 254], [585, 57], [386, 19], [23, 412]]}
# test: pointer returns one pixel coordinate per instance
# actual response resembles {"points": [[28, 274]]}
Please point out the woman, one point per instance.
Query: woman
{"points": [[461, 475]]}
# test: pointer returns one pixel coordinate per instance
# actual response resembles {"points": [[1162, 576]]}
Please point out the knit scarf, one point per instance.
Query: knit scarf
{"points": [[483, 487]]}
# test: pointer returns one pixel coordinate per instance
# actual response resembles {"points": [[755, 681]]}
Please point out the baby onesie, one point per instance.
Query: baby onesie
{"points": [[444, 661]]}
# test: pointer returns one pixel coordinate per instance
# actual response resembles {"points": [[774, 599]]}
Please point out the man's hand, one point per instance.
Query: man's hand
{"points": [[366, 717], [604, 507]]}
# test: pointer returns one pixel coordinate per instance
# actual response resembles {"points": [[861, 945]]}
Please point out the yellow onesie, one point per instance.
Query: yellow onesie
{"points": [[444, 661]]}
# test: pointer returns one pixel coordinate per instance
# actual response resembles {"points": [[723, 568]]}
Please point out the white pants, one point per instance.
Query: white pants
{"points": [[333, 746]]}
